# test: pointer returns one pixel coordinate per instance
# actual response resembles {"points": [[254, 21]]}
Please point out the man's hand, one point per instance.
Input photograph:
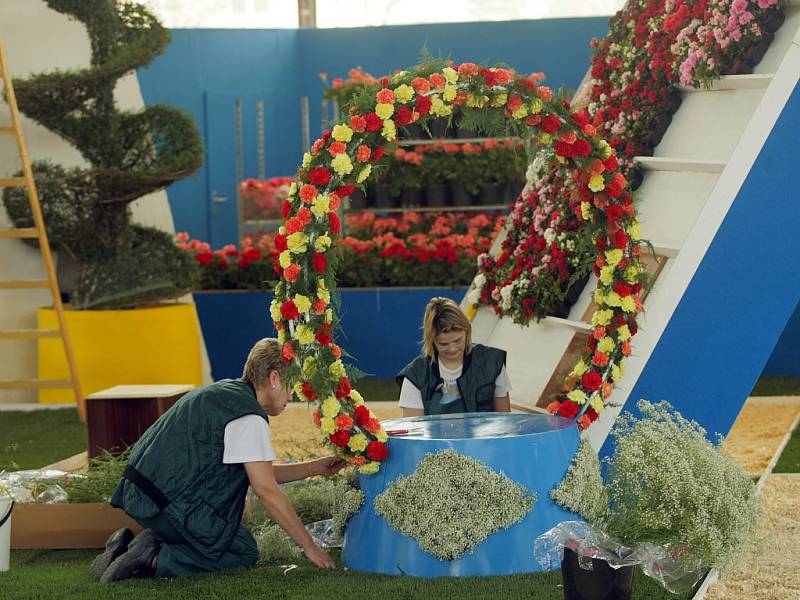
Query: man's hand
{"points": [[330, 465], [319, 557]]}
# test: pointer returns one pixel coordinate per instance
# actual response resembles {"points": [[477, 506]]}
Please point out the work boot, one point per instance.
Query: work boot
{"points": [[137, 561], [116, 545]]}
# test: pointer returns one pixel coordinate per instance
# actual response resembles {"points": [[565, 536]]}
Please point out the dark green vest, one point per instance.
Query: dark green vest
{"points": [[482, 365], [176, 467]]}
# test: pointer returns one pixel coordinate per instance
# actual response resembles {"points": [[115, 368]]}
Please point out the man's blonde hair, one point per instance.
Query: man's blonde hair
{"points": [[264, 357], [442, 315]]}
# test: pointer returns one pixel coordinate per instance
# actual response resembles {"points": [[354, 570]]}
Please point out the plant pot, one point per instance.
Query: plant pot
{"points": [[601, 583], [358, 200], [775, 20], [561, 311], [466, 133], [758, 51], [459, 195], [411, 197], [412, 131], [674, 102], [381, 197], [436, 195], [438, 127], [512, 190], [659, 129], [491, 193], [636, 179], [574, 291]]}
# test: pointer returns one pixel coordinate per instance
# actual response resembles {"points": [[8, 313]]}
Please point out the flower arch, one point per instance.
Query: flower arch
{"points": [[495, 100]]}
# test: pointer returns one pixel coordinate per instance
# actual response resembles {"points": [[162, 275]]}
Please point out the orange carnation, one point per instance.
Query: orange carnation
{"points": [[385, 96], [308, 193], [344, 422], [363, 153], [337, 148]]}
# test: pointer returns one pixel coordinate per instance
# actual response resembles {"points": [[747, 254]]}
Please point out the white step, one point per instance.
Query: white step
{"points": [[690, 165], [665, 250], [578, 326], [756, 81]]}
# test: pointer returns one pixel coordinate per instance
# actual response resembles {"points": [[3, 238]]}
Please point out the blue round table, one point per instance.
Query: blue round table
{"points": [[532, 450]]}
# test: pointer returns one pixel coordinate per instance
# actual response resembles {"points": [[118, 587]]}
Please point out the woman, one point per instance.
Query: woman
{"points": [[453, 375]]}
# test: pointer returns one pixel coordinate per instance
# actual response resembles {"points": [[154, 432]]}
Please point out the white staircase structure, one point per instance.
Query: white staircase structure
{"points": [[723, 274]]}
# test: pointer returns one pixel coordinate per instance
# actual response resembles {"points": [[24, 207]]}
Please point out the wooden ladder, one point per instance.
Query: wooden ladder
{"points": [[39, 233]]}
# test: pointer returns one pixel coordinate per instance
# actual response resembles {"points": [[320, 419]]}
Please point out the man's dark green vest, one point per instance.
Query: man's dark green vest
{"points": [[176, 467], [482, 365]]}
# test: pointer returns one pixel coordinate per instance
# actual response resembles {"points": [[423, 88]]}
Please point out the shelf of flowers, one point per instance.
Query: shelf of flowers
{"points": [[411, 249]]}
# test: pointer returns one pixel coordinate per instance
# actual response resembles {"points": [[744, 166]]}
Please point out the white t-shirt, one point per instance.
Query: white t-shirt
{"points": [[411, 397], [247, 439]]}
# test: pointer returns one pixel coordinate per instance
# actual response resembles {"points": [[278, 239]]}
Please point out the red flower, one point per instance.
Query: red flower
{"points": [[372, 425], [619, 239], [614, 211], [568, 409], [319, 262], [422, 105], [287, 352], [308, 391], [343, 388], [345, 190], [286, 208], [374, 122], [292, 272], [340, 438], [336, 224], [343, 422], [592, 381], [358, 123], [623, 289], [377, 153], [324, 334], [361, 414], [377, 451], [204, 258], [403, 116], [280, 242], [581, 148], [319, 176], [289, 310], [551, 124]]}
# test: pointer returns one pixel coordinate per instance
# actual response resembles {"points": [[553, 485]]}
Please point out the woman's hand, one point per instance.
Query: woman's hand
{"points": [[330, 465]]}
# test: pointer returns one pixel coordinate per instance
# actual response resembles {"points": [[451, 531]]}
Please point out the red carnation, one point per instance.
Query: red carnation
{"points": [[287, 352], [286, 208], [551, 124], [345, 190], [340, 438], [319, 176], [377, 154], [319, 262], [563, 149], [591, 413], [619, 239], [336, 224], [403, 116], [308, 391], [592, 381], [292, 272], [581, 148], [377, 451], [422, 105], [611, 163], [289, 310], [568, 409], [324, 334], [361, 414], [613, 212], [343, 388], [280, 242], [374, 122], [623, 289]]}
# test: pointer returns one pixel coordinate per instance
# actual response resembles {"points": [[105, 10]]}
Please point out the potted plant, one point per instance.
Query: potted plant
{"points": [[670, 501]]}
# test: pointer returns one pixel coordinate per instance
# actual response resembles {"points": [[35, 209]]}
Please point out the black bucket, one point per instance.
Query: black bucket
{"points": [[601, 583]]}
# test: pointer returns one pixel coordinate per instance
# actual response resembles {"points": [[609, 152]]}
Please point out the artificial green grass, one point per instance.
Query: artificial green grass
{"points": [[777, 386], [29, 440], [789, 462], [63, 575]]}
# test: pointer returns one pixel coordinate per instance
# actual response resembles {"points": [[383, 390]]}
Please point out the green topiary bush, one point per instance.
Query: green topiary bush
{"points": [[130, 155]]}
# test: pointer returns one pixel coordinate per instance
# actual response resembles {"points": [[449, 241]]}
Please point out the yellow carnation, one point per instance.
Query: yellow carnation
{"points": [[329, 316], [586, 211], [342, 164], [337, 370], [322, 243], [449, 93], [381, 436], [577, 396], [327, 425], [282, 336], [545, 138], [474, 101], [635, 231], [285, 259], [321, 205], [302, 303], [356, 397], [309, 366], [605, 148], [306, 159], [370, 468], [536, 106], [450, 74], [628, 304], [389, 132], [297, 243], [602, 317], [404, 93], [613, 299], [304, 334], [607, 274], [597, 403], [632, 274], [500, 100], [330, 407], [606, 344], [598, 297], [579, 369], [342, 133], [520, 113], [614, 256], [597, 183], [384, 111], [275, 310], [358, 442], [623, 333], [363, 174]]}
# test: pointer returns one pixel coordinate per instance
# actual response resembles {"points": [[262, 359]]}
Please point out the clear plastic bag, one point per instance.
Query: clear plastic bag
{"points": [[52, 494], [30, 486], [323, 534], [672, 566]]}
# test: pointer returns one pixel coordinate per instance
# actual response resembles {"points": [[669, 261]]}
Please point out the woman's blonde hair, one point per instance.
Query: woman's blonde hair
{"points": [[264, 357], [441, 316]]}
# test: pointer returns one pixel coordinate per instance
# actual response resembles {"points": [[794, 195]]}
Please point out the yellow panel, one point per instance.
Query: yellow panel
{"points": [[115, 347]]}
